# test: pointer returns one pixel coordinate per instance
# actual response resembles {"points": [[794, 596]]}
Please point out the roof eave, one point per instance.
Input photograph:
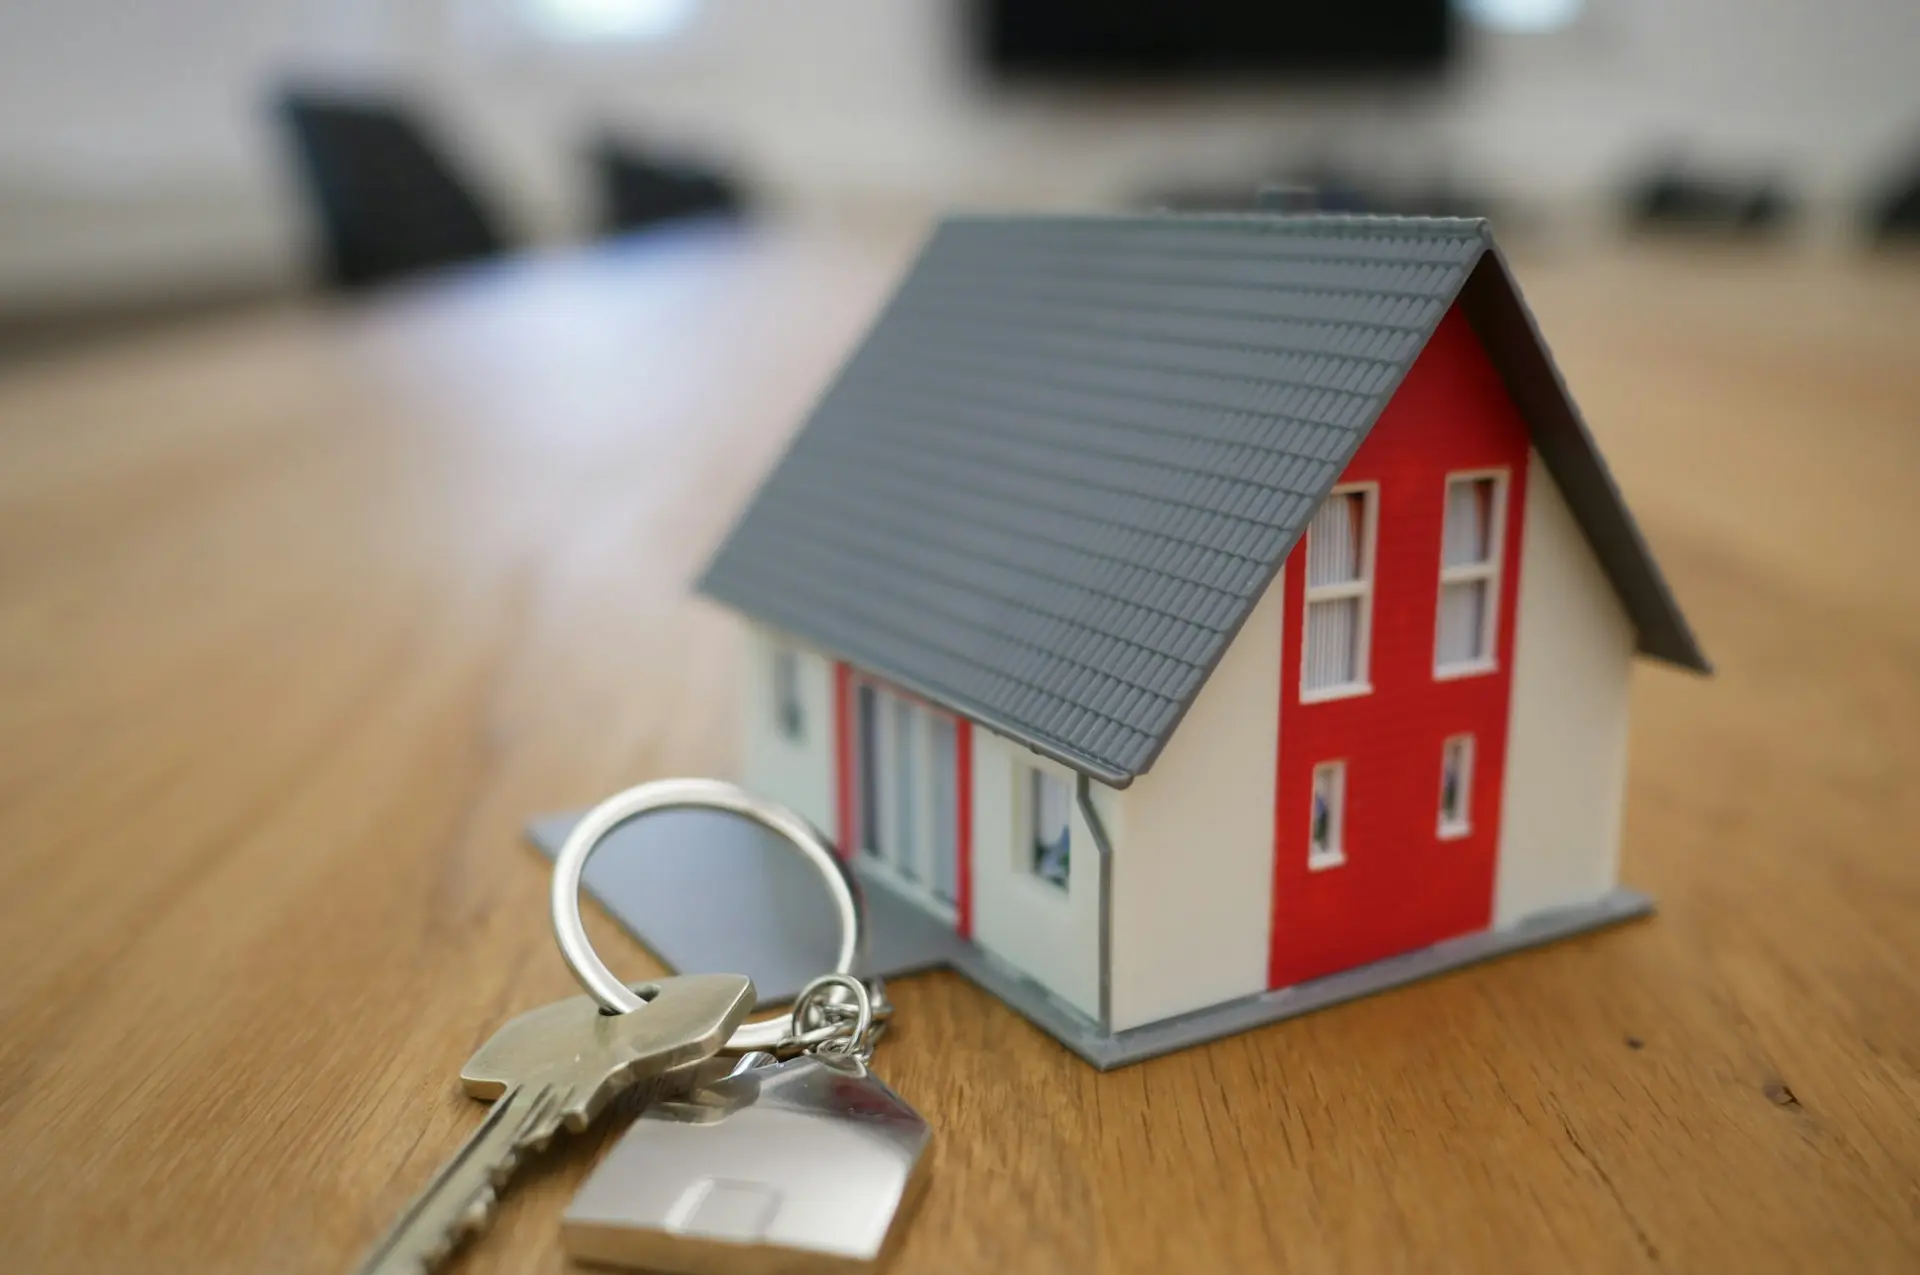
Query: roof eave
{"points": [[1498, 312], [1053, 750]]}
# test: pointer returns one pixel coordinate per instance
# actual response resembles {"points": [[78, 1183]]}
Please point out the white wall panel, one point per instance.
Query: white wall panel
{"points": [[797, 773], [1567, 737], [1193, 854], [1049, 934]]}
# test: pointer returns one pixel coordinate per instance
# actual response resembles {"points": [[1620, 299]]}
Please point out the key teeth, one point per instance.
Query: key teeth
{"points": [[479, 1213], [508, 1165], [436, 1256], [473, 1219]]}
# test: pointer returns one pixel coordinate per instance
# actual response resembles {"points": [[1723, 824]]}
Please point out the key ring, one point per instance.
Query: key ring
{"points": [[814, 1003], [695, 794]]}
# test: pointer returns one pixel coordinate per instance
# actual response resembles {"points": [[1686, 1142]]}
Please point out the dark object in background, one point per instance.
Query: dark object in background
{"points": [[387, 200], [1324, 186], [637, 190], [1674, 196], [1893, 215], [1171, 39]]}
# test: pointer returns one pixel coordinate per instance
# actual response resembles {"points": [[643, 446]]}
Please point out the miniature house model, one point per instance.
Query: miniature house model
{"points": [[1182, 608]]}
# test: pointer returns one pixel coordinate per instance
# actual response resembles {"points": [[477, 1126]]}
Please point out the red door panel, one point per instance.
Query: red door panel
{"points": [[1402, 886]]}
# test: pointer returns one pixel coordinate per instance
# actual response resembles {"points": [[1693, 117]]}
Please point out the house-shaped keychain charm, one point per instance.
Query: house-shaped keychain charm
{"points": [[1195, 620], [806, 1165]]}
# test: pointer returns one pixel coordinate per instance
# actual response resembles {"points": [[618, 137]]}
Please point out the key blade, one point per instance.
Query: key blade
{"points": [[552, 1067], [459, 1201]]}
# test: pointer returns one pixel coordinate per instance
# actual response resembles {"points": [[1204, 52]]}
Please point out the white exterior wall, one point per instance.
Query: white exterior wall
{"points": [[1193, 853], [796, 773], [1049, 934], [1567, 729], [1192, 840]]}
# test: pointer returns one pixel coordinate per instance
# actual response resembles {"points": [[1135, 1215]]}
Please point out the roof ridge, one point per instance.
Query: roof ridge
{"points": [[1461, 227]]}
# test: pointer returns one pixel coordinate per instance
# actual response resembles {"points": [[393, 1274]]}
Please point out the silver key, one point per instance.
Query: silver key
{"points": [[554, 1066]]}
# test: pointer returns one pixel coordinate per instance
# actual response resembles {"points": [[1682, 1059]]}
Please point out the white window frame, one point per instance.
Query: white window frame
{"points": [[1024, 841], [867, 750], [786, 676], [1454, 829], [880, 854], [1488, 571], [1361, 589], [1335, 855]]}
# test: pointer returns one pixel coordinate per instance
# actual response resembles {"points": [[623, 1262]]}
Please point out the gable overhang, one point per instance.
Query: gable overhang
{"points": [[1491, 302]]}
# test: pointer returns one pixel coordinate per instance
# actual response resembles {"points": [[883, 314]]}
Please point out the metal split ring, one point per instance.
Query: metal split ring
{"points": [[820, 1016], [709, 794]]}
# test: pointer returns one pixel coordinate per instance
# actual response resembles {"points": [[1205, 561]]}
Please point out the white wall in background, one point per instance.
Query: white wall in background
{"points": [[134, 155], [151, 111]]}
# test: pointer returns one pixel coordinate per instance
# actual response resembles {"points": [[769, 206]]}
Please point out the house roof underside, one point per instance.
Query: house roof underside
{"points": [[1072, 452]]}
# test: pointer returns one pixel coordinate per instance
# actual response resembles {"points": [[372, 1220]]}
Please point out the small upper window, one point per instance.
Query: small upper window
{"points": [[1339, 594], [1326, 827], [1469, 575], [789, 715], [1456, 786], [1050, 827]]}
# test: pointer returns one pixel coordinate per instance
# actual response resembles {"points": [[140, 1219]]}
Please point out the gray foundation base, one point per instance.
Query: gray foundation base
{"points": [[707, 893]]}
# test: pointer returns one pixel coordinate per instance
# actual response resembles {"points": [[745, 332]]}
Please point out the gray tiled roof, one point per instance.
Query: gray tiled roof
{"points": [[1050, 485]]}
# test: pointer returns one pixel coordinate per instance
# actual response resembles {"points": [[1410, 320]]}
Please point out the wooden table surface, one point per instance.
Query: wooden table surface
{"points": [[301, 614]]}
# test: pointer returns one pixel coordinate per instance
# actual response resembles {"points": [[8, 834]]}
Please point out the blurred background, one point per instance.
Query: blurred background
{"points": [[161, 156]]}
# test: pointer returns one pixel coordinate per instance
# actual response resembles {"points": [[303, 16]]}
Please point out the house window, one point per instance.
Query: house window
{"points": [[1456, 786], [1339, 595], [904, 748], [787, 712], [1326, 827], [1469, 574], [1049, 827], [906, 797], [946, 809]]}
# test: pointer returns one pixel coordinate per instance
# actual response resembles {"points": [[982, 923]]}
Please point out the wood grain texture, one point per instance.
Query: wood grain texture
{"points": [[301, 616]]}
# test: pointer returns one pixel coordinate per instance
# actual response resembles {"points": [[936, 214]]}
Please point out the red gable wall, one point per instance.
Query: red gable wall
{"points": [[1402, 886]]}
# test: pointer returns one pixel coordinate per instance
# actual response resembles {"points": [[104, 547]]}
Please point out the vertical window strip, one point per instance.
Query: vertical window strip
{"points": [[788, 713], [1464, 629], [1050, 827], [946, 809], [867, 747], [1332, 636], [1456, 786], [906, 783], [1463, 622], [1335, 540], [1338, 588], [1326, 816], [1469, 522]]}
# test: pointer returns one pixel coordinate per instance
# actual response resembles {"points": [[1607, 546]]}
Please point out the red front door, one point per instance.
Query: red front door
{"points": [[1393, 716]]}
